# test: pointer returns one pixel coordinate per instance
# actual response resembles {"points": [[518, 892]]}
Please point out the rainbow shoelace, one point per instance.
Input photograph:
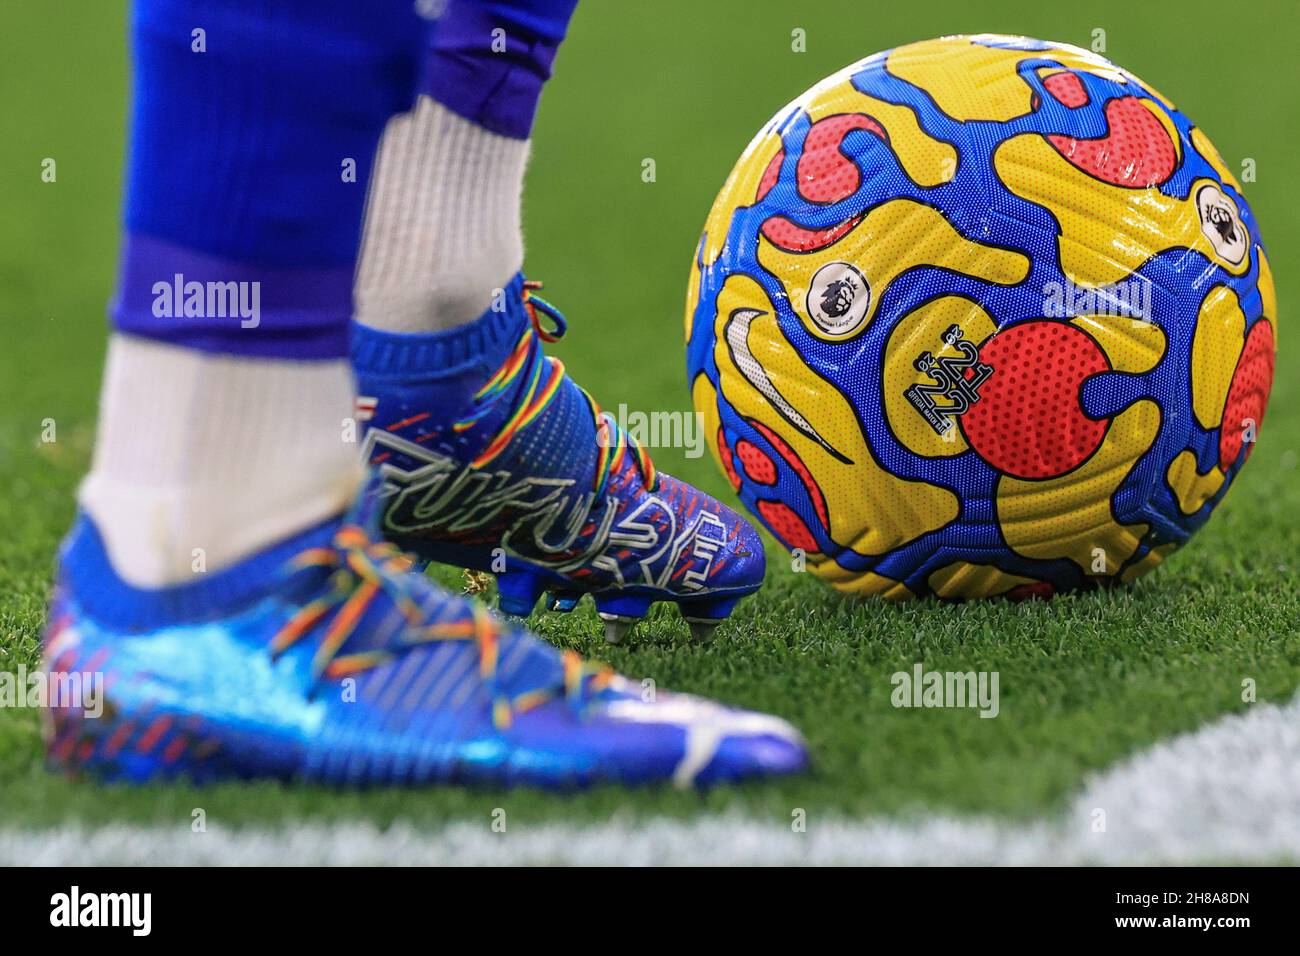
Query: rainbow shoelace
{"points": [[362, 571], [544, 376]]}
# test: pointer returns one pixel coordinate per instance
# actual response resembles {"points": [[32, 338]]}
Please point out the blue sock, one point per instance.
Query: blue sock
{"points": [[254, 126], [489, 59]]}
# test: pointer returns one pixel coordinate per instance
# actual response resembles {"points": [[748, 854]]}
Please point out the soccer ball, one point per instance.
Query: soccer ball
{"points": [[981, 316]]}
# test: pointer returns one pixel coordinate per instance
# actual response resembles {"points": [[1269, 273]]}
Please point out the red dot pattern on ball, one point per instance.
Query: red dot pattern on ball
{"points": [[770, 175], [728, 465], [1067, 89], [826, 175], [1028, 421], [756, 464], [788, 454], [1247, 394], [792, 237], [1136, 152], [787, 525]]}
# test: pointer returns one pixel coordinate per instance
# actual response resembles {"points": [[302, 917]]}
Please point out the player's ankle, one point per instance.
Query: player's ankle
{"points": [[204, 459], [457, 361], [88, 572], [443, 222]]}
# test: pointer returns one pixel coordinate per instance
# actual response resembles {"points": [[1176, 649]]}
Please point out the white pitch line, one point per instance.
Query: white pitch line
{"points": [[1229, 792]]}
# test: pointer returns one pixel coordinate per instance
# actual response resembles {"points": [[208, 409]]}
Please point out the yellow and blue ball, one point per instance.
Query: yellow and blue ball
{"points": [[980, 316]]}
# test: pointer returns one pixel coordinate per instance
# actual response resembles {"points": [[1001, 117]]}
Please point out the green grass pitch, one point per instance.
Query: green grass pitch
{"points": [[1085, 680]]}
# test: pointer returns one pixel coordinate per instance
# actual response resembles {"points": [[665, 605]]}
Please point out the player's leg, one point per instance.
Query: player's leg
{"points": [[443, 223], [236, 620], [494, 458], [226, 388]]}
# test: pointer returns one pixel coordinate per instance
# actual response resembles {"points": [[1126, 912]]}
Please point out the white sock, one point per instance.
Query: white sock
{"points": [[222, 454], [442, 225]]}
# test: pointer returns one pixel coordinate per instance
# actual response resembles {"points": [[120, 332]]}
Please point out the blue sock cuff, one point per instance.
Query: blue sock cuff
{"points": [[86, 571], [485, 342], [188, 298], [489, 59]]}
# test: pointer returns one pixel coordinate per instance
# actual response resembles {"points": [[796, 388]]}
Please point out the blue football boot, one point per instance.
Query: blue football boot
{"points": [[326, 658], [492, 458]]}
